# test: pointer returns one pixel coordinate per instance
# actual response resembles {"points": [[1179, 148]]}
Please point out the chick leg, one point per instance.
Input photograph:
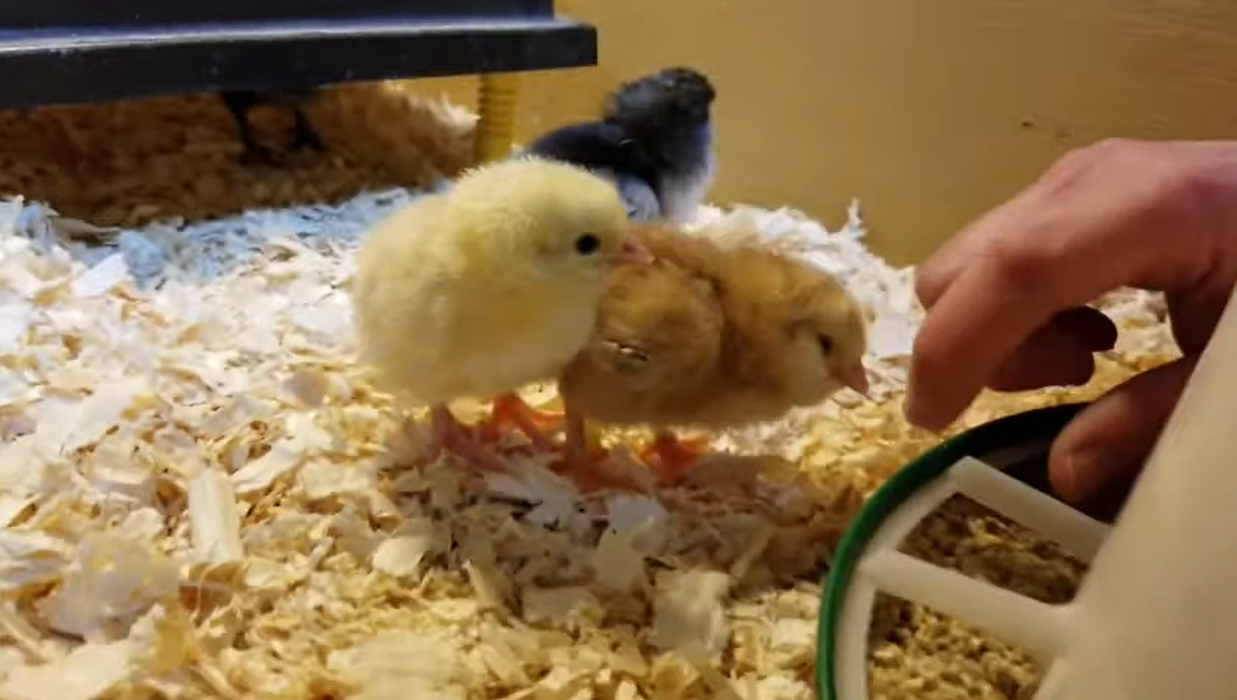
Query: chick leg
{"points": [[581, 459], [304, 134], [578, 455], [674, 456], [510, 408], [255, 153], [448, 433], [238, 104]]}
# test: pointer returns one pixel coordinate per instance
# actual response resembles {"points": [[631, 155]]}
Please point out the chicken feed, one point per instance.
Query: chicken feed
{"points": [[201, 497]]}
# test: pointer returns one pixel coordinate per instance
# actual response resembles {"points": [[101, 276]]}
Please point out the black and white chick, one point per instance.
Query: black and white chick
{"points": [[654, 141], [239, 104]]}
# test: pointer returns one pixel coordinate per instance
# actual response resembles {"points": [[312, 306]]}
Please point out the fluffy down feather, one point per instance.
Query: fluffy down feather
{"points": [[714, 337], [489, 286]]}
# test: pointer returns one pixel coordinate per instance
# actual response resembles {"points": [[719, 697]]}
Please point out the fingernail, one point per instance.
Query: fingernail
{"points": [[1080, 473]]}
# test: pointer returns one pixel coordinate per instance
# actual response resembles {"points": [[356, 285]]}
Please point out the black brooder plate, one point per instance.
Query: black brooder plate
{"points": [[79, 51]]}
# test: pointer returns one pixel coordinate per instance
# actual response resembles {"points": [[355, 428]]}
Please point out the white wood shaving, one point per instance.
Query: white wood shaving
{"points": [[214, 520], [87, 673], [402, 554], [688, 611], [618, 565], [172, 249], [405, 664]]}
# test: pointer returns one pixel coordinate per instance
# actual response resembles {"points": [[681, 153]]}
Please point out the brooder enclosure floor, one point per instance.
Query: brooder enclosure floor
{"points": [[202, 497]]}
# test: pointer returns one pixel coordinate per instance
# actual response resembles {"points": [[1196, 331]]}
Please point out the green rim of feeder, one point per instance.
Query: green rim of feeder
{"points": [[1010, 431]]}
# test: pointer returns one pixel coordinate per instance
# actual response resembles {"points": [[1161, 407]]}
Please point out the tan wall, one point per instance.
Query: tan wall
{"points": [[930, 112]]}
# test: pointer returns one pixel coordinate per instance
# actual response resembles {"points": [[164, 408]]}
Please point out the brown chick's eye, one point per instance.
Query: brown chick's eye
{"points": [[588, 244], [826, 343]]}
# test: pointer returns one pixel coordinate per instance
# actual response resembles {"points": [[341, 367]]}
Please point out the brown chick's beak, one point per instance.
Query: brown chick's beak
{"points": [[855, 377], [632, 253]]}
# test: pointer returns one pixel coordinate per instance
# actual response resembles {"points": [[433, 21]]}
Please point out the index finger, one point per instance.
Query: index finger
{"points": [[935, 275], [1064, 258], [978, 322]]}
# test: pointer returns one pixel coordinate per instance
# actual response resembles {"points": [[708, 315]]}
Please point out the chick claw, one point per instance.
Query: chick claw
{"points": [[672, 456], [510, 408], [448, 433]]}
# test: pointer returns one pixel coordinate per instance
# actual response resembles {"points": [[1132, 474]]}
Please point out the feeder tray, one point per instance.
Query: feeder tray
{"points": [[1001, 465], [82, 51]]}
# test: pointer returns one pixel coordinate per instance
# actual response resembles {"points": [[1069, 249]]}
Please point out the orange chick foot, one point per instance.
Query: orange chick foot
{"points": [[447, 433], [672, 457], [511, 409]]}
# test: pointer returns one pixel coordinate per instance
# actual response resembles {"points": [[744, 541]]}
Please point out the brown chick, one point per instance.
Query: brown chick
{"points": [[710, 337]]}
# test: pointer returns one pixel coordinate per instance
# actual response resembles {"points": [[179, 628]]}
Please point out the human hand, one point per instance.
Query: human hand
{"points": [[1006, 297]]}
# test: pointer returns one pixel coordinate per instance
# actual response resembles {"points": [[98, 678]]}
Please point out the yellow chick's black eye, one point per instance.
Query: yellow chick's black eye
{"points": [[587, 244], [826, 343]]}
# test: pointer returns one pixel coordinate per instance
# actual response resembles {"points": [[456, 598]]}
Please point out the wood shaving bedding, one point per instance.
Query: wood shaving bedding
{"points": [[161, 180], [144, 161], [201, 496], [206, 249]]}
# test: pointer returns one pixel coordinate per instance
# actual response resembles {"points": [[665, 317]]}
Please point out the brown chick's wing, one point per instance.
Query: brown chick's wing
{"points": [[654, 348]]}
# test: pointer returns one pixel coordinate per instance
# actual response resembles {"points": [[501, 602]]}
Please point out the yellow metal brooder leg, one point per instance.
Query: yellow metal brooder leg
{"points": [[496, 115]]}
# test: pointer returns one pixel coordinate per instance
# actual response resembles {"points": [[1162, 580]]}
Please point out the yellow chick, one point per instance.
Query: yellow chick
{"points": [[486, 287], [711, 337]]}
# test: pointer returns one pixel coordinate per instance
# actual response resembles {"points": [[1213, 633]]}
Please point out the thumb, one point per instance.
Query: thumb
{"points": [[1105, 445]]}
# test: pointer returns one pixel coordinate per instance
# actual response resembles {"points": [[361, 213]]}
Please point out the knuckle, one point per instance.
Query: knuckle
{"points": [[1178, 190], [926, 285], [1194, 186], [1064, 165], [1114, 146], [1020, 263], [1108, 149], [1115, 151], [1161, 179], [1194, 198]]}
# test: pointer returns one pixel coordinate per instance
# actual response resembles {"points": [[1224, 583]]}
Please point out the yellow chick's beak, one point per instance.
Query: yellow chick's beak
{"points": [[631, 253], [855, 377]]}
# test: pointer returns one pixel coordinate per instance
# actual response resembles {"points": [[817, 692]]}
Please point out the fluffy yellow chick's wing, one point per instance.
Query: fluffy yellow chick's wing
{"points": [[490, 285]]}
